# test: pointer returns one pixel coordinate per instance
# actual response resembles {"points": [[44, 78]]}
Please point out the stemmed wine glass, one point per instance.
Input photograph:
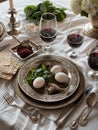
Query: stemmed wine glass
{"points": [[93, 63], [48, 30], [75, 38], [75, 35]]}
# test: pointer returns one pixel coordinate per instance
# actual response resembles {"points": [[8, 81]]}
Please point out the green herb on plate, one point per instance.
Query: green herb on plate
{"points": [[41, 71]]}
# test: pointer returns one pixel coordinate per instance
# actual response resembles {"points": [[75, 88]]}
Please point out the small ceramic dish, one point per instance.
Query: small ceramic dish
{"points": [[25, 50]]}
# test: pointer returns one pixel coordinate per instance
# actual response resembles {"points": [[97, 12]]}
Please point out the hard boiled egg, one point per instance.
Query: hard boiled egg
{"points": [[39, 82], [55, 69], [61, 77]]}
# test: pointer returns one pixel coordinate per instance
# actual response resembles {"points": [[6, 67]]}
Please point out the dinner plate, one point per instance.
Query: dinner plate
{"points": [[2, 31], [52, 105], [51, 60]]}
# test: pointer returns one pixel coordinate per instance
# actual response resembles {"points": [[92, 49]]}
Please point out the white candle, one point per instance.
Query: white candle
{"points": [[11, 4]]}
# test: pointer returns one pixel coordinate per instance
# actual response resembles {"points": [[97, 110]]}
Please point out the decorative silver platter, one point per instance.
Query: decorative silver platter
{"points": [[53, 105], [68, 68]]}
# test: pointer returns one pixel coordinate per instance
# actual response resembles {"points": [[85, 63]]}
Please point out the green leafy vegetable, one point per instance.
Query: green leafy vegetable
{"points": [[41, 71], [33, 12]]}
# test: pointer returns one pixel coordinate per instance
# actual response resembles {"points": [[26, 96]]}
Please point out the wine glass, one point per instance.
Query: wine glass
{"points": [[48, 30], [93, 63], [75, 35], [75, 38]]}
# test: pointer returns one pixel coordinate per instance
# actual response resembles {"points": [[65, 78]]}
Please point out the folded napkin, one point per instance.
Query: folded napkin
{"points": [[8, 65]]}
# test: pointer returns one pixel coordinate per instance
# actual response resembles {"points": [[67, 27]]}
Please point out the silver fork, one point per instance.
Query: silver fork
{"points": [[10, 100]]}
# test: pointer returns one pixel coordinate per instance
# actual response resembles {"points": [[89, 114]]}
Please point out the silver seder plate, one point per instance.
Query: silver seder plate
{"points": [[68, 68]]}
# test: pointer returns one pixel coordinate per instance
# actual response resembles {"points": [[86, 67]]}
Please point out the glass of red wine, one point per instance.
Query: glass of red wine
{"points": [[48, 30], [75, 38], [93, 63]]}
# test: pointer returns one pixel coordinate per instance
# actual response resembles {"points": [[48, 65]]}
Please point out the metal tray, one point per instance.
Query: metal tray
{"points": [[67, 66]]}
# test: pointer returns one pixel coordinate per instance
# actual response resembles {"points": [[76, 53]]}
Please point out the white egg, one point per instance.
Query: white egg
{"points": [[61, 77], [55, 69], [39, 82]]}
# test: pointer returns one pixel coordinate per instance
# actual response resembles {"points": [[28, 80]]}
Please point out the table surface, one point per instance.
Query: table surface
{"points": [[11, 118]]}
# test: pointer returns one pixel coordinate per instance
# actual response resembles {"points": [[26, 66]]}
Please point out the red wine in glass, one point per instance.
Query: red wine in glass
{"points": [[93, 63], [93, 60], [74, 40], [48, 34], [48, 30]]}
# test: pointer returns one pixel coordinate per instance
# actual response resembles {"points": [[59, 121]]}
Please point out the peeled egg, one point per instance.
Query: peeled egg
{"points": [[61, 77], [55, 69], [39, 82]]}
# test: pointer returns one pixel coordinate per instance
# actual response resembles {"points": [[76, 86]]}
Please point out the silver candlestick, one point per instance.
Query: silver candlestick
{"points": [[13, 31]]}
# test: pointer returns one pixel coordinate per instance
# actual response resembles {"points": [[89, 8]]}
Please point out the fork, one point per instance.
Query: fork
{"points": [[10, 100]]}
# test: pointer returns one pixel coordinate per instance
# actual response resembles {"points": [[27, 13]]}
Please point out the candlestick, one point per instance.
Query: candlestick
{"points": [[13, 31], [11, 5]]}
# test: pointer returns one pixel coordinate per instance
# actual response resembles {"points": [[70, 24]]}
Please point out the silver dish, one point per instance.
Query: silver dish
{"points": [[67, 66], [54, 105], [35, 49], [2, 31]]}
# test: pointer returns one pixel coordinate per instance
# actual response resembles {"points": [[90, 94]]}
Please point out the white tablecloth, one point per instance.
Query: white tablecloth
{"points": [[11, 118]]}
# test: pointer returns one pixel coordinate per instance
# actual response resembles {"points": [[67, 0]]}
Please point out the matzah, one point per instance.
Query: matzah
{"points": [[12, 68], [6, 76], [5, 58], [8, 65]]}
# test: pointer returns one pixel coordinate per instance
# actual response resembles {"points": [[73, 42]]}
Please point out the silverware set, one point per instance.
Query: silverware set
{"points": [[61, 120], [83, 116]]}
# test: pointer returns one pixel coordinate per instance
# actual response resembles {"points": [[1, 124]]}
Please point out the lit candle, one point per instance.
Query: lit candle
{"points": [[11, 4]]}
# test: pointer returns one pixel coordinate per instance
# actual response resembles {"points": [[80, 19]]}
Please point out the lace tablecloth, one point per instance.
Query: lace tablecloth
{"points": [[11, 118]]}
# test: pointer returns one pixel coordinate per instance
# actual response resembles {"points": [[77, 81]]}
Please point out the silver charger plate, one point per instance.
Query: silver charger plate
{"points": [[67, 66], [54, 105], [2, 31]]}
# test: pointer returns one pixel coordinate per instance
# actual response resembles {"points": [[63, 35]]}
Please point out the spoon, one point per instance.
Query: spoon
{"points": [[74, 123], [61, 120], [90, 101]]}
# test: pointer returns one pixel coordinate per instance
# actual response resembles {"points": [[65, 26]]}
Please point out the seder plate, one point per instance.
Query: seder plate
{"points": [[67, 66], [52, 105]]}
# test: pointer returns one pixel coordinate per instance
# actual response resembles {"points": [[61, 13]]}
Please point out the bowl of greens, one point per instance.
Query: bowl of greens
{"points": [[34, 12]]}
